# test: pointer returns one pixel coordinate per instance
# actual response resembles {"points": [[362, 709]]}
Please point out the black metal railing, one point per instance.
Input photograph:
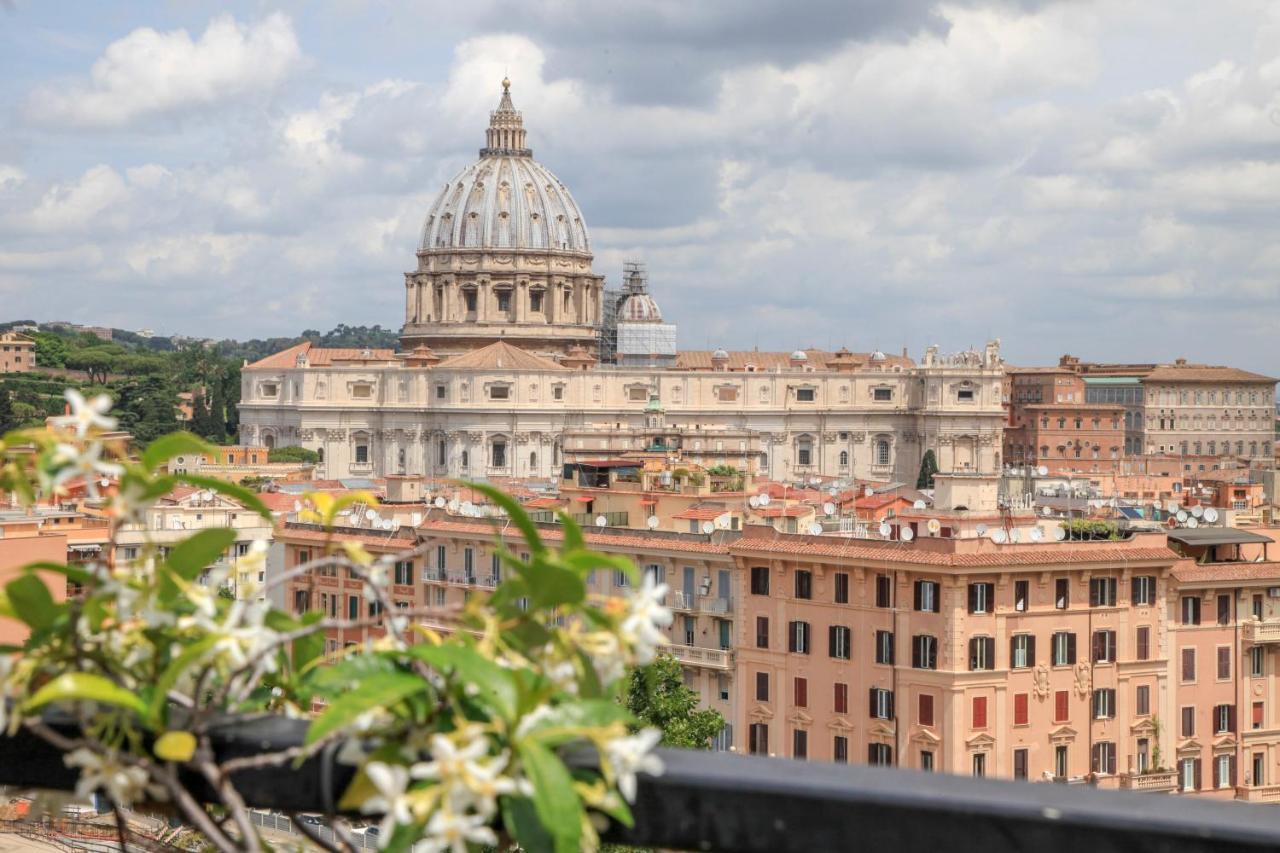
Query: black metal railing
{"points": [[722, 801]]}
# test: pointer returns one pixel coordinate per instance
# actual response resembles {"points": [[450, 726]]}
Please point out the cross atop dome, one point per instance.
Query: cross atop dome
{"points": [[505, 134]]}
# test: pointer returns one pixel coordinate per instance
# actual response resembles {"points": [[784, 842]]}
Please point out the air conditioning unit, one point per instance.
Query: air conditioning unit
{"points": [[1273, 592]]}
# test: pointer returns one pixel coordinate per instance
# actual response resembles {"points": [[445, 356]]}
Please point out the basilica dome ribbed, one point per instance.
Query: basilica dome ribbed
{"points": [[506, 199]]}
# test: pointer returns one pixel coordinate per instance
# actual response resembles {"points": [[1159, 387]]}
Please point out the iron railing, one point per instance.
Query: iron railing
{"points": [[727, 802]]}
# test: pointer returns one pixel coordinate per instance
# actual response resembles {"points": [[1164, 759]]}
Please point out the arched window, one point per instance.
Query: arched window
{"points": [[269, 440], [1044, 451], [844, 459], [882, 451], [441, 458], [804, 450], [466, 460], [320, 454], [498, 454], [360, 441], [533, 461], [400, 458]]}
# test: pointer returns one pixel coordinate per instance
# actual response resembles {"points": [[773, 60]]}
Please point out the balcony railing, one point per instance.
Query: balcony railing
{"points": [[1261, 631], [1259, 793], [690, 602], [1157, 781], [727, 802], [611, 519], [698, 656]]}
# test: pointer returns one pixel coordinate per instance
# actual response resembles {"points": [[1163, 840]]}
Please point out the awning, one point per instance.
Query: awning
{"points": [[1217, 536], [586, 499], [86, 549], [648, 502]]}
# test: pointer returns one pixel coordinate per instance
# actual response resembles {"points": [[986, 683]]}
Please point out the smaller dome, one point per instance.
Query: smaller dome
{"points": [[799, 355], [720, 355], [639, 308], [878, 356]]}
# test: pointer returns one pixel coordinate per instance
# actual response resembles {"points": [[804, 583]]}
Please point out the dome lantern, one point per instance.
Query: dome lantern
{"points": [[505, 136]]}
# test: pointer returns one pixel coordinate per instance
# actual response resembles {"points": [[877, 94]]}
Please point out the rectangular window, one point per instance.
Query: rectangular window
{"points": [[1224, 719], [800, 691], [799, 744], [1224, 662], [1021, 715], [762, 632], [759, 580], [880, 755], [982, 653], [798, 638], [1104, 646], [979, 764], [1142, 700], [404, 572], [884, 647], [978, 719], [924, 652], [884, 591], [1190, 772], [1144, 590], [1102, 592], [881, 703], [1104, 703], [926, 760], [840, 749], [842, 587], [1020, 764], [1104, 757], [981, 597], [1061, 706], [1061, 593], [1257, 661], [1060, 763], [804, 584], [1022, 651], [1190, 610], [882, 395], [1188, 728], [924, 711], [805, 395], [839, 642], [841, 698], [1224, 771], [1021, 593], [1188, 665], [762, 687], [758, 739], [1143, 650], [926, 596], [1224, 610], [1257, 717], [1064, 649]]}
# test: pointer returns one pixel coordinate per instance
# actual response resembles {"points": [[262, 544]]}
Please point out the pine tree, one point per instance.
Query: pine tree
{"points": [[928, 467], [218, 408]]}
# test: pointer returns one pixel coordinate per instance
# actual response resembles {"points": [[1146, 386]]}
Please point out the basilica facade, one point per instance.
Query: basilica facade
{"points": [[499, 371]]}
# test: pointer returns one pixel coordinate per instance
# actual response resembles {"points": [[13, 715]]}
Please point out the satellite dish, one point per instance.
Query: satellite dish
{"points": [[981, 530], [885, 529], [815, 481], [829, 508], [1173, 506], [868, 492], [934, 526], [453, 505], [907, 534], [1211, 515], [1059, 533], [601, 521], [1042, 471], [998, 536], [1197, 510], [1015, 535], [439, 502], [815, 529], [467, 507], [1193, 523], [1045, 511], [1182, 516], [370, 514], [707, 527], [723, 519], [1156, 505], [753, 501], [1037, 534], [652, 522], [764, 500], [919, 505]]}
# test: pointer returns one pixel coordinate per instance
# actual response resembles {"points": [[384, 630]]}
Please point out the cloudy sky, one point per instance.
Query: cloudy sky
{"points": [[1100, 178]]}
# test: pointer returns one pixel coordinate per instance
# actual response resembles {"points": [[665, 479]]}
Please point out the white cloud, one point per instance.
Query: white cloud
{"points": [[150, 73], [93, 199]]}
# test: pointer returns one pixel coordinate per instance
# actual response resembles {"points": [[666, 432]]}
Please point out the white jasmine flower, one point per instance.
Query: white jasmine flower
{"points": [[390, 780], [86, 414], [449, 761], [646, 616], [628, 756], [85, 463], [378, 580], [124, 784], [453, 832]]}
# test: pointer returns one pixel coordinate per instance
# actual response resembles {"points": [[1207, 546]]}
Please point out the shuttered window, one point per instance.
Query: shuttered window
{"points": [[1061, 706], [1020, 715]]}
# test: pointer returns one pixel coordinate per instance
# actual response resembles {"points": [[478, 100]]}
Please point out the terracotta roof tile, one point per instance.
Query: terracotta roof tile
{"points": [[318, 357], [763, 361], [400, 540], [617, 538], [1204, 373], [1192, 573], [500, 356]]}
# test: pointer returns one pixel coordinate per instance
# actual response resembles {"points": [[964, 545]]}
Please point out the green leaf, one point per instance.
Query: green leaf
{"points": [[237, 493], [554, 799], [516, 513], [379, 690], [332, 681], [75, 574], [496, 685], [565, 722], [83, 686], [175, 443], [309, 647], [197, 552], [521, 821], [573, 540], [179, 665], [31, 601], [551, 585]]}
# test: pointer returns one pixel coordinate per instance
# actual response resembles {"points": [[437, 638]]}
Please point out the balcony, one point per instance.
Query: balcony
{"points": [[719, 659], [1261, 631], [611, 519], [460, 579], [1259, 793], [1154, 782], [688, 602]]}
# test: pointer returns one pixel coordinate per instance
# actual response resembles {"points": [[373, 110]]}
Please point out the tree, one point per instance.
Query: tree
{"points": [[148, 408], [292, 453], [656, 695], [928, 467], [95, 363], [8, 418], [51, 350]]}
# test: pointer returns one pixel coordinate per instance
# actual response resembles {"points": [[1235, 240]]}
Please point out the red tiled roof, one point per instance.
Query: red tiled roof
{"points": [[318, 357], [1191, 573], [501, 355], [785, 511], [545, 503], [701, 513], [762, 361], [401, 540], [630, 539], [1204, 373]]}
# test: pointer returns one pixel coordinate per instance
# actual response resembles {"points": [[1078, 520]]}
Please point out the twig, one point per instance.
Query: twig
{"points": [[307, 830]]}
